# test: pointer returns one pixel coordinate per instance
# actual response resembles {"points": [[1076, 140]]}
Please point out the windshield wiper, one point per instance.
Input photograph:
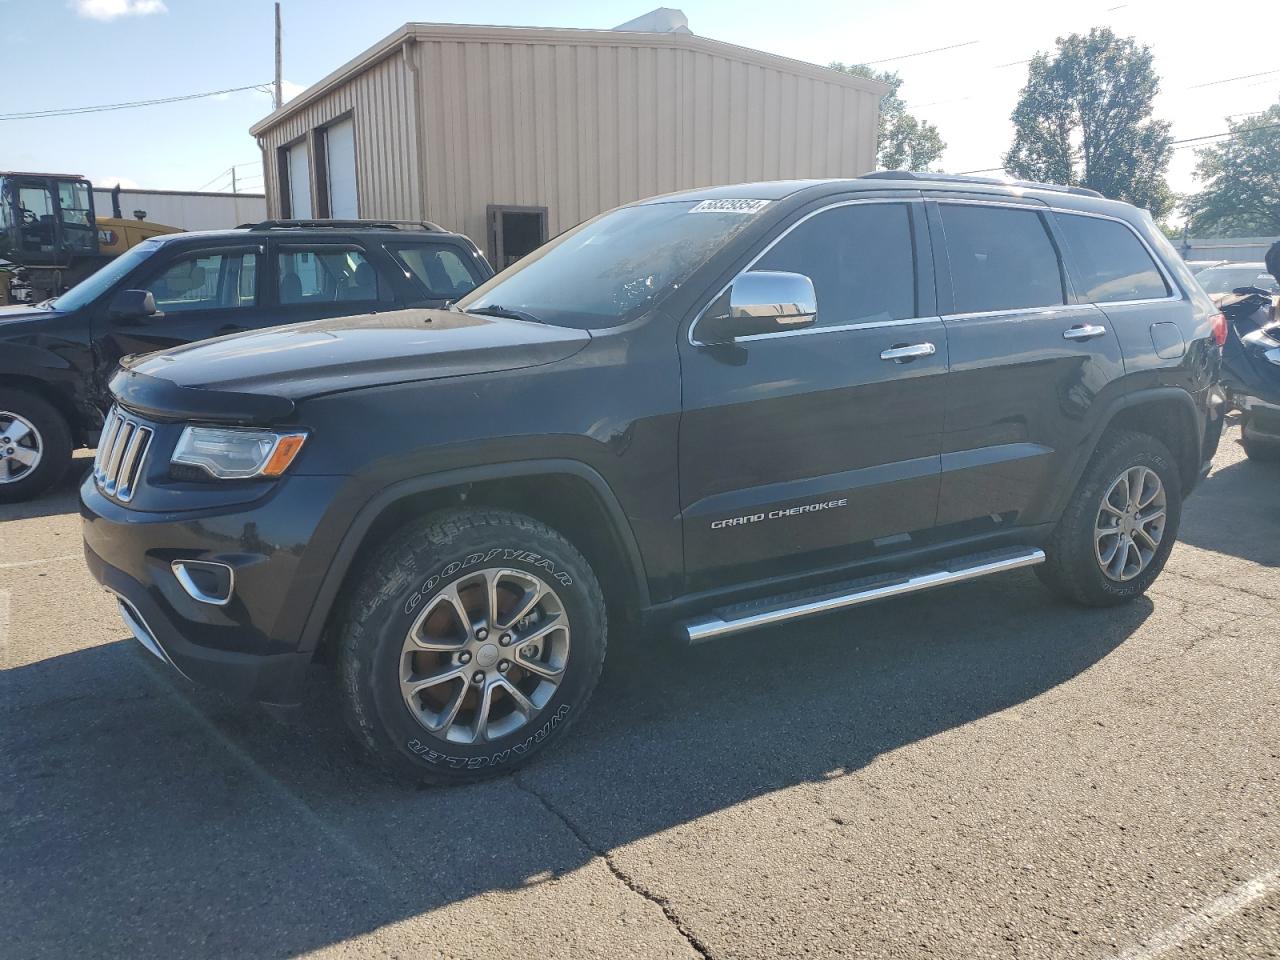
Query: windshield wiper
{"points": [[495, 310]]}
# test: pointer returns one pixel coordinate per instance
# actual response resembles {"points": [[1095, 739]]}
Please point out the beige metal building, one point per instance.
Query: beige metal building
{"points": [[513, 134]]}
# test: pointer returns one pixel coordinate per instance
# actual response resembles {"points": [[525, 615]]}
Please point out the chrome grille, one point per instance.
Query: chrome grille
{"points": [[117, 467]]}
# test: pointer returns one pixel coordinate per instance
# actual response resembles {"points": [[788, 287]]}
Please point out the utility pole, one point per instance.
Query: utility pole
{"points": [[278, 69], [233, 180]]}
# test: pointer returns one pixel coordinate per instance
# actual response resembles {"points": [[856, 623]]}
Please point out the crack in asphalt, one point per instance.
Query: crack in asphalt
{"points": [[662, 903]]}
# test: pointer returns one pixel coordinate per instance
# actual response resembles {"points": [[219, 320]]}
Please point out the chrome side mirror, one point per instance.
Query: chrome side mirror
{"points": [[762, 301]]}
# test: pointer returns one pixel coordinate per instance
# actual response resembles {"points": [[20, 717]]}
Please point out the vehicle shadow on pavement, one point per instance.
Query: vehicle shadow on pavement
{"points": [[1236, 511], [63, 498], [149, 818]]}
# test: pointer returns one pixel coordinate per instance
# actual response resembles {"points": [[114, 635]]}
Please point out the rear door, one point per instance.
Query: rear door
{"points": [[1115, 270], [816, 447], [315, 279], [1027, 362]]}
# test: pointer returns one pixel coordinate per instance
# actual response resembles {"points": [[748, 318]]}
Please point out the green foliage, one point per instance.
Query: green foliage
{"points": [[1241, 197], [903, 142], [1084, 119]]}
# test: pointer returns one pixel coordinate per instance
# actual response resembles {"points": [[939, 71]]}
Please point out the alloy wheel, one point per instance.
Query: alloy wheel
{"points": [[20, 447], [485, 655], [1130, 523]]}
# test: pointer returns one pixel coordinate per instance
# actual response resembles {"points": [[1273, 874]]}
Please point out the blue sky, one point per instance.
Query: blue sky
{"points": [[71, 53]]}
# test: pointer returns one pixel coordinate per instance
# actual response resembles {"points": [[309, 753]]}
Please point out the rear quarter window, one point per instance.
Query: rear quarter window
{"points": [[1111, 263], [441, 269]]}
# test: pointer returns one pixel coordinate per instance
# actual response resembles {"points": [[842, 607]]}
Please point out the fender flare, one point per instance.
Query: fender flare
{"points": [[1124, 402], [368, 514]]}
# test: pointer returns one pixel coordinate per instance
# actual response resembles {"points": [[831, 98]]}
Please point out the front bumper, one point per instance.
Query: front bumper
{"points": [[247, 646]]}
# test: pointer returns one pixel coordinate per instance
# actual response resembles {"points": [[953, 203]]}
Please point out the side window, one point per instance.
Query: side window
{"points": [[1113, 263], [206, 281], [860, 258], [1001, 259], [327, 273], [440, 269]]}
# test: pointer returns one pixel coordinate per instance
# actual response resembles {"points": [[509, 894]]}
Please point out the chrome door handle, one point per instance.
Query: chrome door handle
{"points": [[1084, 331], [910, 352]]}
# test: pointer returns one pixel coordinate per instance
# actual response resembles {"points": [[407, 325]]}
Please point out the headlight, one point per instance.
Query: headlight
{"points": [[1273, 355], [230, 453]]}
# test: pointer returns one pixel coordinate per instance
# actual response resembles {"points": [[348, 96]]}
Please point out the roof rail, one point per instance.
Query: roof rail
{"points": [[344, 225], [966, 178]]}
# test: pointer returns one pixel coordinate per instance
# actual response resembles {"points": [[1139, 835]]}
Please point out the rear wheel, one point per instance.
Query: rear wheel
{"points": [[1119, 526], [35, 445], [473, 642]]}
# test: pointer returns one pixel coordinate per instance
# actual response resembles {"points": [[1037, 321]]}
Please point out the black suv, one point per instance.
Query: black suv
{"points": [[712, 411], [57, 357]]}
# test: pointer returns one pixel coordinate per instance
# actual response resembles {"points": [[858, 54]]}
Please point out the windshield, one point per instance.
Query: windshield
{"points": [[1226, 279], [611, 269], [96, 284]]}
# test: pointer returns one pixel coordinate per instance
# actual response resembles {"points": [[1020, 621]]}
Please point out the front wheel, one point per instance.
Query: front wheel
{"points": [[473, 641], [1119, 526], [35, 445]]}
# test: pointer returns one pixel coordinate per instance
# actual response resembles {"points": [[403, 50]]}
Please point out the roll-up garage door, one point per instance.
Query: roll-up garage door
{"points": [[299, 182], [340, 154]]}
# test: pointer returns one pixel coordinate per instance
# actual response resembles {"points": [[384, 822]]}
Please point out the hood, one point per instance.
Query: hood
{"points": [[270, 369], [23, 311]]}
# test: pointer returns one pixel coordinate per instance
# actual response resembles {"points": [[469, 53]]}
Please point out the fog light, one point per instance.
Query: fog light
{"points": [[205, 580]]}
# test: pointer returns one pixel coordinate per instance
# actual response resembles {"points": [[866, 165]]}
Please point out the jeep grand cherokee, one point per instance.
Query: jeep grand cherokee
{"points": [[713, 411]]}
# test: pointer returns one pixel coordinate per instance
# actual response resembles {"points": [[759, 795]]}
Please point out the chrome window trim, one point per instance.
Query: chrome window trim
{"points": [[809, 331], [841, 328], [1050, 308]]}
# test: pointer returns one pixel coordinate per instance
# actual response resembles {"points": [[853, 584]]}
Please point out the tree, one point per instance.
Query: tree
{"points": [[1242, 181], [902, 142], [1084, 119]]}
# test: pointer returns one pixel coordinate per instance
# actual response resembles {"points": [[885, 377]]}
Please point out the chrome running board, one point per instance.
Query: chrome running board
{"points": [[740, 617]]}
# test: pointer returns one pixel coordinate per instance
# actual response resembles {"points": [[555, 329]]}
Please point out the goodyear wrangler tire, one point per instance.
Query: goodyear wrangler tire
{"points": [[473, 641]]}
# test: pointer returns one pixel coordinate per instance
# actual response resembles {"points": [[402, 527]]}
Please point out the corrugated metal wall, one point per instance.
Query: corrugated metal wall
{"points": [[380, 102], [190, 211], [580, 126]]}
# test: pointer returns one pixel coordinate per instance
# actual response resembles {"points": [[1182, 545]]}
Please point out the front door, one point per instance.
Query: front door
{"points": [[816, 446], [1027, 364], [199, 294]]}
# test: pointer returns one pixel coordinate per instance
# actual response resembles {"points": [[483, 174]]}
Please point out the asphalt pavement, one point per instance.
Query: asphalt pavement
{"points": [[979, 771]]}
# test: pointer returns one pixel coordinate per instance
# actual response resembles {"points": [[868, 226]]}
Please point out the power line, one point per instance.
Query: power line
{"points": [[921, 53], [1245, 76], [69, 111], [1176, 144]]}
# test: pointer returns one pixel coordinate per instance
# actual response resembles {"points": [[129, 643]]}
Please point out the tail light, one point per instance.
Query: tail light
{"points": [[1219, 322]]}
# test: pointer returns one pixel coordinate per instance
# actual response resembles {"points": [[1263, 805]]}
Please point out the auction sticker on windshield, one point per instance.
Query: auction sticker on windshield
{"points": [[729, 206]]}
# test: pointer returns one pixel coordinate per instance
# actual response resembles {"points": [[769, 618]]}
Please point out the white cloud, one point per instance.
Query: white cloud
{"points": [[110, 9]]}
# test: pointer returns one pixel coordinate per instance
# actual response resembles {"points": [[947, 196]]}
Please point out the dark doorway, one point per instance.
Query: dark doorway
{"points": [[514, 232]]}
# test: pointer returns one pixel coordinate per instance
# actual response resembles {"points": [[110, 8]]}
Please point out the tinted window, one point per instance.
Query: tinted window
{"points": [[204, 281], [1001, 259], [440, 269], [326, 274], [1112, 262], [859, 258]]}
